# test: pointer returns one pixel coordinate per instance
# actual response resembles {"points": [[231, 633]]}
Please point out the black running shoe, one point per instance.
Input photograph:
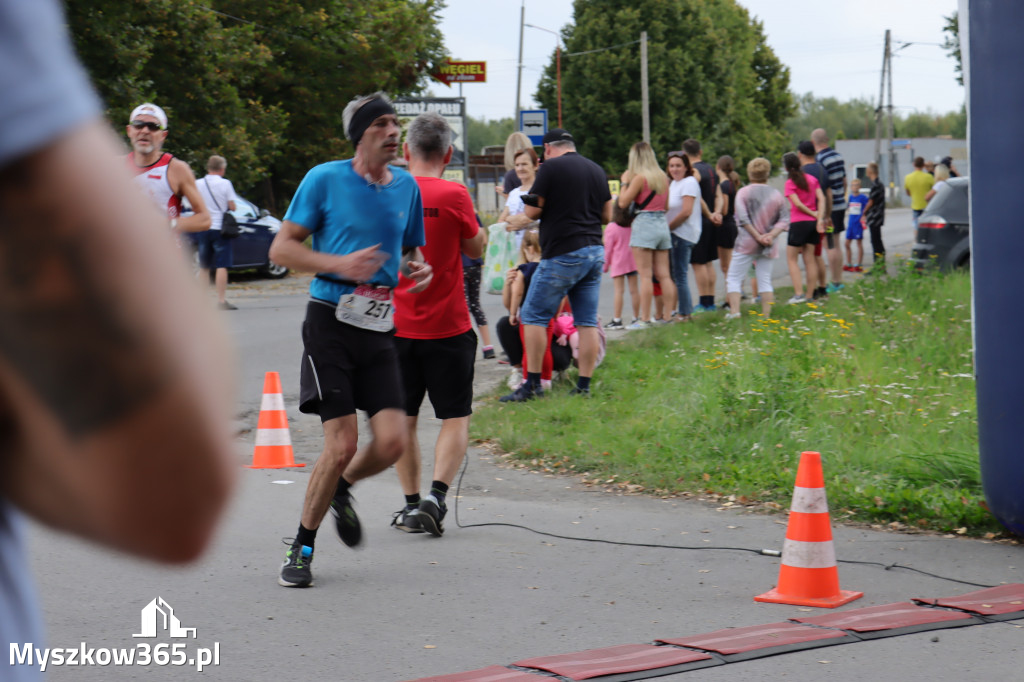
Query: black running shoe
{"points": [[582, 392], [296, 570], [350, 531], [522, 394], [431, 516], [488, 353], [406, 519]]}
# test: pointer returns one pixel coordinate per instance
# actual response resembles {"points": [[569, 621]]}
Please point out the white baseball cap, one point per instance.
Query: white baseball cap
{"points": [[150, 110]]}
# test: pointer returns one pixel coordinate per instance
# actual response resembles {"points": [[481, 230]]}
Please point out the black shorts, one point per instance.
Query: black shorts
{"points": [[804, 232], [706, 248], [726, 233], [345, 368], [442, 368], [838, 225]]}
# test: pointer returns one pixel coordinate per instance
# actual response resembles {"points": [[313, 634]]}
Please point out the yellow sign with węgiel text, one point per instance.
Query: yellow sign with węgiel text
{"points": [[449, 72]]}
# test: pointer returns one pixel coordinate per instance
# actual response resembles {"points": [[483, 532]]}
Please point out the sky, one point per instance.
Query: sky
{"points": [[838, 56]]}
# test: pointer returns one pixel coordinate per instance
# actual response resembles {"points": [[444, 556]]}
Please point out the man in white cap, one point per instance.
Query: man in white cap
{"points": [[165, 178]]}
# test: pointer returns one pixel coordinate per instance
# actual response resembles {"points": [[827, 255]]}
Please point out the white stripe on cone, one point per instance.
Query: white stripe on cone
{"points": [[273, 437], [809, 500], [799, 554], [272, 402]]}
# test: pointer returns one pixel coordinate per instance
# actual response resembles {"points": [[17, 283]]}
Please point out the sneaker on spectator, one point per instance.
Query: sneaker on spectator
{"points": [[798, 298], [731, 316], [522, 394], [515, 379], [639, 324], [581, 392], [488, 353], [833, 288], [545, 384], [615, 324]]}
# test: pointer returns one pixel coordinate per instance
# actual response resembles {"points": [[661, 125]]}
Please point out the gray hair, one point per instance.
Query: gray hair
{"points": [[216, 163], [357, 103], [429, 136], [563, 144], [819, 136]]}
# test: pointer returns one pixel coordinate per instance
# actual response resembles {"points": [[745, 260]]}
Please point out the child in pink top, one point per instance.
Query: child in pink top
{"points": [[618, 260]]}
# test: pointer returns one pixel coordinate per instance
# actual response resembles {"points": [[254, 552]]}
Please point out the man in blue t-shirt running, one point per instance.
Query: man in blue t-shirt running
{"points": [[362, 214]]}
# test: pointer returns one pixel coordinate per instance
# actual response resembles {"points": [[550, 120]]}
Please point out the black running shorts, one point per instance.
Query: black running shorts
{"points": [[440, 368], [345, 368]]}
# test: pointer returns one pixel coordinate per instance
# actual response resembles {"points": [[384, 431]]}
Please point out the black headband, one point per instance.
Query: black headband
{"points": [[365, 115]]}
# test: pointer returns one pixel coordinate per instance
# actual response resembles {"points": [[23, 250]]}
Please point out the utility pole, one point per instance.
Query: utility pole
{"points": [[878, 107], [643, 87], [519, 77], [892, 152], [881, 111]]}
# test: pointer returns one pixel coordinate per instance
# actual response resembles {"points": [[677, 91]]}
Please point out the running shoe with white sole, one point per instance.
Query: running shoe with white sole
{"points": [[296, 571], [406, 520]]}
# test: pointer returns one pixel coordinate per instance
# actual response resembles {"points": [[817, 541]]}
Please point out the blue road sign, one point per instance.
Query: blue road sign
{"points": [[534, 123]]}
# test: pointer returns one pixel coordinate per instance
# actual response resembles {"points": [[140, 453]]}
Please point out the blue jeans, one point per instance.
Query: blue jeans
{"points": [[917, 214], [576, 274], [680, 260]]}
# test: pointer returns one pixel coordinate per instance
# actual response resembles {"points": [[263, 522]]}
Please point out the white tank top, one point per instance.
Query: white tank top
{"points": [[153, 179]]}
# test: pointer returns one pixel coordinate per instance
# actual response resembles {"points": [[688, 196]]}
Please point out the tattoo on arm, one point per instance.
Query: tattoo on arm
{"points": [[59, 326]]}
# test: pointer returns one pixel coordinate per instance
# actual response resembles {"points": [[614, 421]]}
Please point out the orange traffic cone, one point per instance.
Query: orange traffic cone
{"points": [[273, 442], [808, 575]]}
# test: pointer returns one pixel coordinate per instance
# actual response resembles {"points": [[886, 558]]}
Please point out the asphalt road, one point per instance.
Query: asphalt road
{"points": [[409, 606]]}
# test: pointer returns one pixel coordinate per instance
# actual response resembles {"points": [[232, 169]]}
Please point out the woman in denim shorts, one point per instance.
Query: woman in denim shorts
{"points": [[650, 240]]}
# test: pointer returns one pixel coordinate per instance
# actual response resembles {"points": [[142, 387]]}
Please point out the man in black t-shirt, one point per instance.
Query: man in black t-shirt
{"points": [[573, 199], [706, 249]]}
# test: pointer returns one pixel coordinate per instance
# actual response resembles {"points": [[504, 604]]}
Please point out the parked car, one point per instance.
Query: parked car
{"points": [[943, 230], [250, 249]]}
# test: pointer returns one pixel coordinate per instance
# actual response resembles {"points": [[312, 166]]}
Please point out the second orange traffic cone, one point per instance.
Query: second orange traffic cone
{"points": [[808, 575], [273, 441]]}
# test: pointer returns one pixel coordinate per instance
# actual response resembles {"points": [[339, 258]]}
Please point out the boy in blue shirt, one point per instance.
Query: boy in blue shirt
{"points": [[854, 227]]}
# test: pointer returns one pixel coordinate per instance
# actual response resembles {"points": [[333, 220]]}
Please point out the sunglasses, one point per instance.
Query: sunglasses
{"points": [[149, 125], [675, 155]]}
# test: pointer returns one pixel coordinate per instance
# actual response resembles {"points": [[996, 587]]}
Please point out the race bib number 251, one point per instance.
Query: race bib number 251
{"points": [[367, 308]]}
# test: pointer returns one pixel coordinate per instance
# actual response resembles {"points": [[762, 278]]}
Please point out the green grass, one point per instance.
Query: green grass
{"points": [[879, 380]]}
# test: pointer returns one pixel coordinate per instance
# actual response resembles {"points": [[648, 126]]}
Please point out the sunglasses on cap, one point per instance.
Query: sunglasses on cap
{"points": [[149, 125]]}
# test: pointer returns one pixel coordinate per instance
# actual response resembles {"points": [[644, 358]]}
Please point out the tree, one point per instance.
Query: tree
{"points": [[853, 119], [262, 83], [325, 52], [712, 77], [481, 133], [178, 55], [952, 43]]}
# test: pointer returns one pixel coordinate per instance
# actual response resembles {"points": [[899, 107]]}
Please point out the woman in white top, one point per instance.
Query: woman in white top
{"points": [[685, 224], [941, 175], [513, 215]]}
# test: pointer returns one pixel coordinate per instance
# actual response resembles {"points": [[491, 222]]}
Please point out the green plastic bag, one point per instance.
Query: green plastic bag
{"points": [[500, 258]]}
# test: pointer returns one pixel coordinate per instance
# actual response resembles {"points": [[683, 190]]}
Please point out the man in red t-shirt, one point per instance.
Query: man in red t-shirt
{"points": [[433, 332]]}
